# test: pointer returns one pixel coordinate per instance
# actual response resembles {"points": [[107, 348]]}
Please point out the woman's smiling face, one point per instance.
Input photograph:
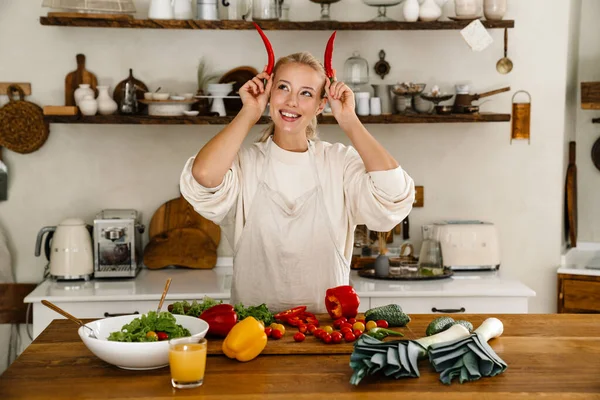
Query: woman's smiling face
{"points": [[296, 97]]}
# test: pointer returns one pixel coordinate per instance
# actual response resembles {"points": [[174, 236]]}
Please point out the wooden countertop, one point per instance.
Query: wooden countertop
{"points": [[551, 355]]}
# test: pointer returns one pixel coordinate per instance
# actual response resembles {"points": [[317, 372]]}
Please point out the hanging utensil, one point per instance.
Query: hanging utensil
{"points": [[505, 65], [571, 198], [69, 316], [162, 298]]}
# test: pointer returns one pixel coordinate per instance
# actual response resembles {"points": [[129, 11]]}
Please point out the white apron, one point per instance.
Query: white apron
{"points": [[287, 257]]}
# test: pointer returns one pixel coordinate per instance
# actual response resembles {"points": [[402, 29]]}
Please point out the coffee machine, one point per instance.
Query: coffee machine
{"points": [[117, 244]]}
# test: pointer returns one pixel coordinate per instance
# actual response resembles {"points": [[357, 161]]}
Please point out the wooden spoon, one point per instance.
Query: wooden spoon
{"points": [[69, 316], [504, 65], [162, 298]]}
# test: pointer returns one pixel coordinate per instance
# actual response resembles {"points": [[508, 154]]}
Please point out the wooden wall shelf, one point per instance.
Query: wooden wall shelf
{"points": [[590, 95], [325, 120], [267, 25]]}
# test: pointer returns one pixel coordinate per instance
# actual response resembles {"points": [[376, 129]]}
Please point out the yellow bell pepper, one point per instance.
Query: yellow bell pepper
{"points": [[246, 340]]}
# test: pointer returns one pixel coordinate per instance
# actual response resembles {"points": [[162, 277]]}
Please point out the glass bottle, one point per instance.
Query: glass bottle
{"points": [[430, 257]]}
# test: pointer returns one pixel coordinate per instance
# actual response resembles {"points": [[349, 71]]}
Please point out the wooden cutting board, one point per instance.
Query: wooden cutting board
{"points": [[310, 345], [75, 78], [178, 213], [182, 247]]}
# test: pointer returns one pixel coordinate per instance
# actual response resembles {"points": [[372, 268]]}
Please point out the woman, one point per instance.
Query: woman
{"points": [[289, 203]]}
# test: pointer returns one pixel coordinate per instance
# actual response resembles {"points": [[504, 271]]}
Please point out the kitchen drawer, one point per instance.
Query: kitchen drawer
{"points": [[448, 305], [581, 295]]}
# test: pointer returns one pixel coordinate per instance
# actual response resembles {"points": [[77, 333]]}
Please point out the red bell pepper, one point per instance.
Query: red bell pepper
{"points": [[287, 314], [220, 318], [303, 318], [342, 301]]}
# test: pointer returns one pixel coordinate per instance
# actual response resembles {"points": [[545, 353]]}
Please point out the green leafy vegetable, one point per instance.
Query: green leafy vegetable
{"points": [[137, 330], [194, 309], [260, 312]]}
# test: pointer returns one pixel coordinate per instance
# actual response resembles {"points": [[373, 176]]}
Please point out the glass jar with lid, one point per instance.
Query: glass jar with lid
{"points": [[356, 71]]}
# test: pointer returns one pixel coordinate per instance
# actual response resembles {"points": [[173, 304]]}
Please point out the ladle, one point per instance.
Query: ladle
{"points": [[504, 65], [69, 316]]}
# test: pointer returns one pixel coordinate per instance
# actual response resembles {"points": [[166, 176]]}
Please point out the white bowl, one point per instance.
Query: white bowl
{"points": [[148, 95], [177, 98], [135, 356], [191, 113], [187, 96], [219, 89], [161, 96]]}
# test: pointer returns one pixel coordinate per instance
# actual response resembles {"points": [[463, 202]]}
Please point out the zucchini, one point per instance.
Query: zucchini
{"points": [[392, 313], [440, 324]]}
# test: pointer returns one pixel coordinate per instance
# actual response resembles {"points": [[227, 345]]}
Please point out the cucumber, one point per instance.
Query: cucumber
{"points": [[392, 313], [440, 324], [464, 323]]}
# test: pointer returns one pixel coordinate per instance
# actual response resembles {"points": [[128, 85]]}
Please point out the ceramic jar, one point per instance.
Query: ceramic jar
{"points": [[83, 90], [88, 105], [430, 11], [494, 9], [362, 103], [411, 10], [106, 105], [465, 8]]}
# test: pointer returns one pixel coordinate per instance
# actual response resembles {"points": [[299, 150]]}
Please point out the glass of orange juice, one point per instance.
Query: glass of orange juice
{"points": [[187, 359]]}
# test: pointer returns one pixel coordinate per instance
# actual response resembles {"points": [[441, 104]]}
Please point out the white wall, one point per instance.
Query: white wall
{"points": [[468, 170], [587, 133]]}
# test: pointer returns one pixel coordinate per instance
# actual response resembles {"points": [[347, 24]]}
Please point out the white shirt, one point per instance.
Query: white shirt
{"points": [[353, 196]]}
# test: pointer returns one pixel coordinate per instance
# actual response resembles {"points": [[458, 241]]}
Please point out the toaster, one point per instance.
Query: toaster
{"points": [[469, 245]]}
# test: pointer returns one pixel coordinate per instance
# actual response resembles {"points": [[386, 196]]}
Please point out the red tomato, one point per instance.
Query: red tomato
{"points": [[299, 337], [311, 328], [382, 323], [326, 338], [302, 328], [336, 337], [345, 330], [349, 337], [317, 333], [344, 325], [339, 322], [276, 334], [357, 333], [162, 336], [268, 331], [351, 320]]}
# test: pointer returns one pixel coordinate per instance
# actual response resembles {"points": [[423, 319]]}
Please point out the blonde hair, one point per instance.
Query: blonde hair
{"points": [[303, 58]]}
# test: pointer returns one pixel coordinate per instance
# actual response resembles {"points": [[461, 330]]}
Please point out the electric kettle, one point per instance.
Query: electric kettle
{"points": [[68, 249]]}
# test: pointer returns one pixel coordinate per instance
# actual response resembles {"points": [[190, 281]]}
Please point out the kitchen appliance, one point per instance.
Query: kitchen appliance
{"points": [[117, 244], [68, 249], [469, 245]]}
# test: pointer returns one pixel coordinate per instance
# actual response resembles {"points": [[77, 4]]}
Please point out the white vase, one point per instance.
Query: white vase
{"points": [[106, 105], [411, 10], [494, 9], [88, 105], [430, 11], [83, 90]]}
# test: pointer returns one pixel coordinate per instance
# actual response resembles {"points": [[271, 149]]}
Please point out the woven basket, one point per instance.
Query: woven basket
{"points": [[22, 125]]}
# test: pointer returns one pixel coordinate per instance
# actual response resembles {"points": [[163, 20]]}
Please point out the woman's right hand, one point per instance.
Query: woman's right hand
{"points": [[254, 93]]}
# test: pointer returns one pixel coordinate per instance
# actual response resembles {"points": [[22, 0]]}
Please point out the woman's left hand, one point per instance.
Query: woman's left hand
{"points": [[341, 99]]}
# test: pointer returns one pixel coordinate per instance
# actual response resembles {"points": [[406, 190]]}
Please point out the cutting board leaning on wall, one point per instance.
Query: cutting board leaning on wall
{"points": [[180, 236]]}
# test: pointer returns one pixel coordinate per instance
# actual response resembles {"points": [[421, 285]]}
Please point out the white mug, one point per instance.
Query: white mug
{"points": [[362, 102], [375, 103], [182, 9], [161, 9]]}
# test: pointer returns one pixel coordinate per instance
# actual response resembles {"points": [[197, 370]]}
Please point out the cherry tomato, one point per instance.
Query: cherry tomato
{"points": [[357, 333], [336, 337], [302, 328], [311, 328], [326, 338], [162, 336], [345, 330], [382, 323], [345, 324], [268, 331], [371, 325], [299, 337], [328, 329], [351, 320], [317, 333], [152, 334], [338, 322], [358, 326], [278, 327], [276, 334], [349, 337]]}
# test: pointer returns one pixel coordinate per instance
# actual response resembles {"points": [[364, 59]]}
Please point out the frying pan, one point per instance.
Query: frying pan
{"points": [[571, 198]]}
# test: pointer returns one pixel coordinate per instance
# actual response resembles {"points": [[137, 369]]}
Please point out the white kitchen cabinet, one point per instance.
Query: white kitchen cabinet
{"points": [[477, 293]]}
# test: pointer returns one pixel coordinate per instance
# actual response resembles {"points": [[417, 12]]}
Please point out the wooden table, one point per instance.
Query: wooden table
{"points": [[555, 355]]}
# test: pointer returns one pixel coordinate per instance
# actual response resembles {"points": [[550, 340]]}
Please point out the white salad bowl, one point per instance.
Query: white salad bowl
{"points": [[134, 355]]}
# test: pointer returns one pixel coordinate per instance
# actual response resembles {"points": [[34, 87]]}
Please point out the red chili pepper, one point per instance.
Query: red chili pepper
{"points": [[329, 56], [287, 314], [269, 48], [342, 301], [220, 318]]}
